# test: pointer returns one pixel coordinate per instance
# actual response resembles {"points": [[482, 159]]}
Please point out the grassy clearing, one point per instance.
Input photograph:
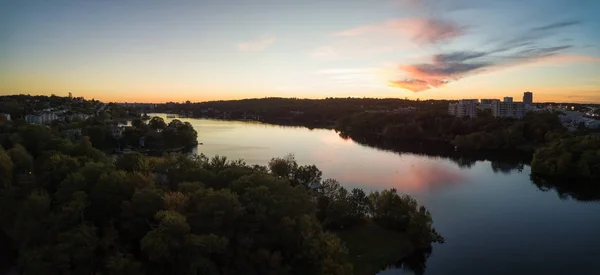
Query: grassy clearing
{"points": [[373, 248]]}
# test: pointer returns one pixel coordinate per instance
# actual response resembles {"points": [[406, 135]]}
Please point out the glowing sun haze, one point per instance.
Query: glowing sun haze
{"points": [[157, 51]]}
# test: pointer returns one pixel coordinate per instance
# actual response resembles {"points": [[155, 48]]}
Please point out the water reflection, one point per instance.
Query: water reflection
{"points": [[490, 213], [415, 263], [504, 162], [507, 167], [583, 191], [430, 175]]}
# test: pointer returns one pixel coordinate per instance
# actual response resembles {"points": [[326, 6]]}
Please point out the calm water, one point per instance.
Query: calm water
{"points": [[494, 218]]}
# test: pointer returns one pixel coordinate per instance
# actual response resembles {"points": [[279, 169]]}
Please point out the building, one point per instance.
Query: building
{"points": [[573, 120], [508, 99], [486, 104], [464, 108], [489, 101], [5, 115], [117, 131], [33, 119], [528, 98], [42, 118], [591, 123], [508, 109]]}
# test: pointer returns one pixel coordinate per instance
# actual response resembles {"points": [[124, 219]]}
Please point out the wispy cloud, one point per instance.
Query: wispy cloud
{"points": [[420, 30], [446, 67], [557, 25], [259, 44]]}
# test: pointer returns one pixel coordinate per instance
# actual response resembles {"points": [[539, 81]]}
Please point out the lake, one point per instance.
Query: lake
{"points": [[495, 219]]}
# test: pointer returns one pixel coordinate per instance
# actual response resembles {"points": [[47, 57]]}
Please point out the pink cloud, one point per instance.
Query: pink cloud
{"points": [[449, 67], [257, 45], [420, 30], [417, 85]]}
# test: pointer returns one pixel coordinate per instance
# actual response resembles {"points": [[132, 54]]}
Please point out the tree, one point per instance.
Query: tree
{"points": [[22, 160], [402, 213], [138, 123], [133, 162], [190, 187], [76, 250], [308, 175], [157, 123], [123, 264], [53, 168], [172, 244], [6, 169], [284, 167], [97, 134], [213, 211], [139, 213], [107, 195], [175, 201]]}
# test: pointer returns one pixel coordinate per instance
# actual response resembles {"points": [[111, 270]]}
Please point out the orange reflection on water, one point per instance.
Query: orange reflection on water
{"points": [[406, 176], [428, 175]]}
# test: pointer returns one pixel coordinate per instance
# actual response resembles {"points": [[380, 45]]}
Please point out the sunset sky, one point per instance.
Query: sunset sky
{"points": [[156, 51]]}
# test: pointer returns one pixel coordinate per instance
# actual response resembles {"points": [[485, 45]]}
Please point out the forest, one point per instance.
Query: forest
{"points": [[481, 133], [570, 157], [312, 113], [68, 208]]}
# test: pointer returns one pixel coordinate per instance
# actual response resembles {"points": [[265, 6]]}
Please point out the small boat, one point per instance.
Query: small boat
{"points": [[171, 116]]}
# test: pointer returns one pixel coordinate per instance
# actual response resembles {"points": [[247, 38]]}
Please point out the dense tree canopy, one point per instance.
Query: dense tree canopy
{"points": [[573, 157], [317, 113], [481, 133], [72, 210]]}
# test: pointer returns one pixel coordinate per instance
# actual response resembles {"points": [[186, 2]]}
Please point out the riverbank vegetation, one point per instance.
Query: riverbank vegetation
{"points": [[159, 135], [312, 113], [570, 157], [481, 133], [67, 208], [404, 125]]}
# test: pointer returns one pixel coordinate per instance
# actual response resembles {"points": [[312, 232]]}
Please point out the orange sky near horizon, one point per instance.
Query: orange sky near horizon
{"points": [[156, 52]]}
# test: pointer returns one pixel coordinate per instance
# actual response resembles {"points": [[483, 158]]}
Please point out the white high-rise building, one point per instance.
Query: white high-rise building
{"points": [[486, 104], [508, 109], [464, 108]]}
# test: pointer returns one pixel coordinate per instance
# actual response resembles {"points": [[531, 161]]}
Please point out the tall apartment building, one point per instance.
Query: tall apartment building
{"points": [[508, 109], [464, 108], [486, 104], [528, 98]]}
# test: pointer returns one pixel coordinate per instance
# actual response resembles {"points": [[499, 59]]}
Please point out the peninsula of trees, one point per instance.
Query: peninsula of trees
{"points": [[67, 208]]}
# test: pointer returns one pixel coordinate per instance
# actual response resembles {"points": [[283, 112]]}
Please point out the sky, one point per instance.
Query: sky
{"points": [[158, 51]]}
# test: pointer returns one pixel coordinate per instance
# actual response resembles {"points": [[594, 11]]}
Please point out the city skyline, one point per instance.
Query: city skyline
{"points": [[154, 51]]}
